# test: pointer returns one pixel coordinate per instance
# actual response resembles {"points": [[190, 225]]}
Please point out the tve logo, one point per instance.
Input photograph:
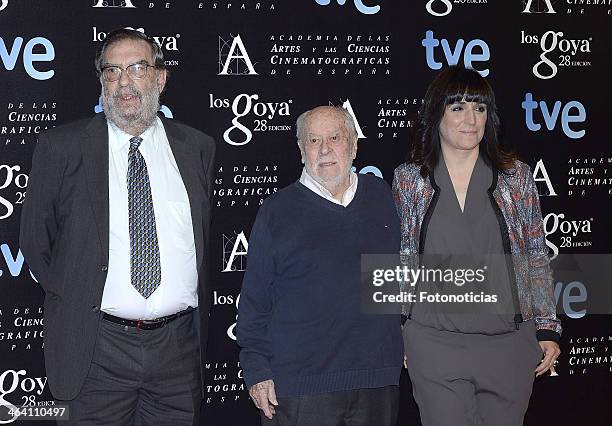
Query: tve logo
{"points": [[475, 51], [366, 10], [569, 295], [163, 109], [372, 170], [551, 116], [13, 263], [29, 58]]}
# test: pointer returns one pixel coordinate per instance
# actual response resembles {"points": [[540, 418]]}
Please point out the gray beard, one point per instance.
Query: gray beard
{"points": [[133, 124], [331, 184]]}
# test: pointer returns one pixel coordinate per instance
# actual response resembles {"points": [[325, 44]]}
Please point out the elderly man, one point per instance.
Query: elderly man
{"points": [[309, 356], [115, 228]]}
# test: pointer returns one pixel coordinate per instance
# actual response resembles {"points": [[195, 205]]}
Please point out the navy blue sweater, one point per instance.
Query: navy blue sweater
{"points": [[299, 319]]}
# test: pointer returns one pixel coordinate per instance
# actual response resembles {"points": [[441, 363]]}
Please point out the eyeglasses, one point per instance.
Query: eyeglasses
{"points": [[135, 71]]}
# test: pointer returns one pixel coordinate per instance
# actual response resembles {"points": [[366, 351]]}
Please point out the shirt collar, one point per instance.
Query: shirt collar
{"points": [[309, 182], [120, 140]]}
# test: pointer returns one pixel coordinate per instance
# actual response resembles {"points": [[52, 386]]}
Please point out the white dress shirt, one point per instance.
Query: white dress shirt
{"points": [[179, 277], [309, 182]]}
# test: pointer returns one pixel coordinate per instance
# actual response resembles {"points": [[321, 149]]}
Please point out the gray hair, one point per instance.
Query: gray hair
{"points": [[349, 123], [129, 34]]}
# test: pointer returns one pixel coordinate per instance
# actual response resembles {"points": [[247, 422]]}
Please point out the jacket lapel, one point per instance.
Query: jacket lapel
{"points": [[94, 150]]}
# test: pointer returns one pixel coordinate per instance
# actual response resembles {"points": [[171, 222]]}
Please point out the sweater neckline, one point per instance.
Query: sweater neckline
{"points": [[329, 204]]}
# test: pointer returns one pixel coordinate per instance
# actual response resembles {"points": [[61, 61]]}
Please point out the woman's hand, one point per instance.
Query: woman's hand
{"points": [[551, 352]]}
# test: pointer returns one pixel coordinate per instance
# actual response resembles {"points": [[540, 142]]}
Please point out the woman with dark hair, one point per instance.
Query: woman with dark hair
{"points": [[461, 196]]}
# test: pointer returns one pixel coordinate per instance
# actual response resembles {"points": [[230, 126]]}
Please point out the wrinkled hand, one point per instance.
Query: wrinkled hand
{"points": [[264, 397], [551, 352]]}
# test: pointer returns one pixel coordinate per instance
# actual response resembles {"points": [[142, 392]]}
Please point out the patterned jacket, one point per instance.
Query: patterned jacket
{"points": [[515, 200]]}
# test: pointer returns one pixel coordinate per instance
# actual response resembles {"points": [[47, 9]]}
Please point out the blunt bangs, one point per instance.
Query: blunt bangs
{"points": [[466, 85]]}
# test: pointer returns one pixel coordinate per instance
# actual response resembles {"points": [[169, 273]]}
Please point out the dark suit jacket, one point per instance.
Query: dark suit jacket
{"points": [[64, 235]]}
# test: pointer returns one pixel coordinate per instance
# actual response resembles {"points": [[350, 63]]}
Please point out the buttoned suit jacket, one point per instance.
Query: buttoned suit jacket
{"points": [[64, 236]]}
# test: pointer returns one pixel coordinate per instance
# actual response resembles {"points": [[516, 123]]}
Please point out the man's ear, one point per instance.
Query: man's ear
{"points": [[161, 79]]}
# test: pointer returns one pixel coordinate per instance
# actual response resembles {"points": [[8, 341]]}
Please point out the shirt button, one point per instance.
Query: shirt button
{"points": [[104, 268], [95, 309]]}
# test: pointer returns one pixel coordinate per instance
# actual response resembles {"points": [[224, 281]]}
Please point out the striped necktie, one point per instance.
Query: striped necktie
{"points": [[145, 267]]}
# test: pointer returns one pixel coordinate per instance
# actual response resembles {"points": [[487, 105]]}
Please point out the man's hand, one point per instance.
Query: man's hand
{"points": [[264, 397], [551, 352]]}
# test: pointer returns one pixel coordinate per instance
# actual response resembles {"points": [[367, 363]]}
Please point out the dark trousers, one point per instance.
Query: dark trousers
{"points": [[471, 379], [359, 407], [142, 377]]}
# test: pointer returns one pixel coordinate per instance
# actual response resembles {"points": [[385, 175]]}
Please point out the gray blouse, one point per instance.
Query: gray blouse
{"points": [[468, 239]]}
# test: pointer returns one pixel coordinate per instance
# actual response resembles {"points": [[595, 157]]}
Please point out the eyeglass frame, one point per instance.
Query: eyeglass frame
{"points": [[121, 69]]}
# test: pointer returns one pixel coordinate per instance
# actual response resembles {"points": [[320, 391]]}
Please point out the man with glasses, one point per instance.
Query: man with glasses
{"points": [[309, 355], [115, 229]]}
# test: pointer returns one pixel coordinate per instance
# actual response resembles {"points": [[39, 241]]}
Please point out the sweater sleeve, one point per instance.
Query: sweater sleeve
{"points": [[255, 307]]}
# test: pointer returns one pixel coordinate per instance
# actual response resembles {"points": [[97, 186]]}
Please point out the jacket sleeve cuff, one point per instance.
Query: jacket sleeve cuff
{"points": [[544, 334]]}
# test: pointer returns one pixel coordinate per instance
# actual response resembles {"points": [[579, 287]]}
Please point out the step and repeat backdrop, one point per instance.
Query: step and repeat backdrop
{"points": [[242, 71]]}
